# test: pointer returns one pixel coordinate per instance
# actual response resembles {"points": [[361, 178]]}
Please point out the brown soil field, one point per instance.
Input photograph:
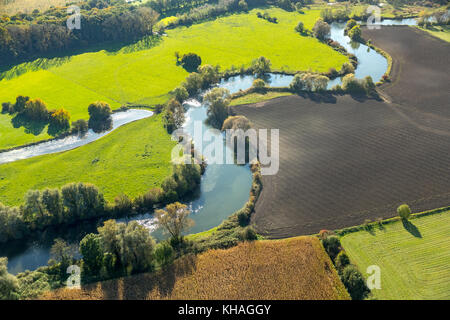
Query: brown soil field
{"points": [[346, 159], [295, 268]]}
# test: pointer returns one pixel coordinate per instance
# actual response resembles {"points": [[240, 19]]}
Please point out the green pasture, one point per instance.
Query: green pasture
{"points": [[414, 257], [130, 160], [146, 72]]}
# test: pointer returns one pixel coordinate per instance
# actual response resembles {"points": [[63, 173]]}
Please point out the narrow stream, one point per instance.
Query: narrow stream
{"points": [[224, 188]]}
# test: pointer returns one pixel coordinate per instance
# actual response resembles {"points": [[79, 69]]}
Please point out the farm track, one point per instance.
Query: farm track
{"points": [[345, 159]]}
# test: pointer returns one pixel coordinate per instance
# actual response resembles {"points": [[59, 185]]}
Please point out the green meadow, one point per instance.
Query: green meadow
{"points": [[413, 257], [130, 160], [145, 75], [258, 97]]}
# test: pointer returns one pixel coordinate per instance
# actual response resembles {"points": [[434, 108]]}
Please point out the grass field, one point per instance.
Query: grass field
{"points": [[131, 159], [413, 258], [147, 75], [441, 32], [296, 268], [258, 97], [11, 137]]}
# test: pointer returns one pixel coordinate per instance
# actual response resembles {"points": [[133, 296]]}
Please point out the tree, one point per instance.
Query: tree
{"points": [[355, 33], [193, 83], [175, 107], [137, 248], [354, 282], [174, 220], [300, 28], [51, 201], [332, 246], [243, 5], [59, 122], [61, 253], [297, 83], [181, 94], [92, 251], [218, 100], [80, 127], [350, 24], [164, 253], [19, 106], [36, 110], [9, 286], [209, 74], [191, 61], [236, 122], [404, 211], [261, 66], [259, 84], [320, 83], [342, 260], [82, 201], [321, 29], [100, 116]]}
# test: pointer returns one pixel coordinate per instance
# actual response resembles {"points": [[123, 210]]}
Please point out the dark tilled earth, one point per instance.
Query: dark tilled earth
{"points": [[344, 159]]}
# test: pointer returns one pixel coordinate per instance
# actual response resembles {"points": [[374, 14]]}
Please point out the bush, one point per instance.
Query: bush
{"points": [[100, 116], [7, 107], [300, 28], [342, 260], [355, 33], [259, 84], [80, 127], [321, 29], [249, 234], [164, 253], [354, 282], [59, 122], [297, 83], [35, 110], [191, 61], [261, 66], [347, 68], [332, 246], [404, 211], [243, 5], [181, 94]]}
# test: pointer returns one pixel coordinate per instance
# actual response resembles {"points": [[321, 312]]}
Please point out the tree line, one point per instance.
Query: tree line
{"points": [[75, 202], [47, 33]]}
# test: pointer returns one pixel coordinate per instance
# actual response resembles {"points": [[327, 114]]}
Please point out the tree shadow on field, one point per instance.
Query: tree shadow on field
{"points": [[32, 127], [325, 97], [411, 228], [161, 282]]}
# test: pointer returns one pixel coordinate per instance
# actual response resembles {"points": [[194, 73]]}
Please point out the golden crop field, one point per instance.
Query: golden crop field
{"points": [[27, 6], [295, 268]]}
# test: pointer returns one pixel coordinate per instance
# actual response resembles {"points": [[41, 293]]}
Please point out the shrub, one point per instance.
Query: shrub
{"points": [[59, 121], [259, 84], [181, 94], [332, 246], [321, 29], [355, 33], [404, 211], [35, 110], [354, 282], [122, 204], [7, 107], [347, 68], [300, 28], [249, 234], [342, 260], [261, 66], [19, 106], [193, 83], [218, 100], [352, 85], [191, 61], [297, 83], [350, 24], [80, 127], [164, 253], [243, 5], [100, 116]]}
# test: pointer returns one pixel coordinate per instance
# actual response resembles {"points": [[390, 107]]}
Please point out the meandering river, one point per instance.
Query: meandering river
{"points": [[224, 188]]}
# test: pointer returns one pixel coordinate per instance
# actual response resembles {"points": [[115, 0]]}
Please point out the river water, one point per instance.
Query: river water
{"points": [[224, 188]]}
